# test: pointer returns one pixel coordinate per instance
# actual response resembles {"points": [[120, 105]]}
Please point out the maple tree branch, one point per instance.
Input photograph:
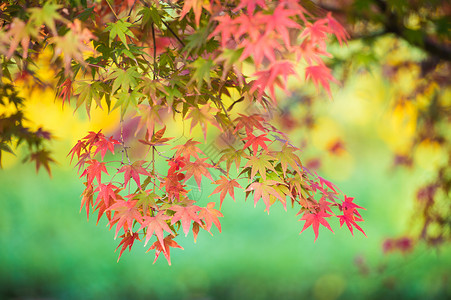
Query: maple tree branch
{"points": [[154, 53], [114, 13], [124, 150], [173, 33]]}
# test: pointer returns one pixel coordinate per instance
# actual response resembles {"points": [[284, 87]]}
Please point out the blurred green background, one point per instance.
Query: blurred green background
{"points": [[49, 251]]}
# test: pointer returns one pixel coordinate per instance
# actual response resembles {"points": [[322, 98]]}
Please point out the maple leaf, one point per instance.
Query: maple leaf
{"points": [[324, 205], [146, 199], [82, 160], [185, 215], [42, 157], [268, 79], [329, 184], [66, 91], [127, 241], [94, 170], [73, 44], [314, 219], [188, 149], [196, 6], [210, 216], [106, 192], [337, 29], [279, 20], [133, 171], [249, 123], [260, 164], [311, 52], [264, 46], [125, 213], [93, 137], [119, 29], [47, 15], [156, 139], [256, 141], [320, 74], [173, 187], [176, 164], [263, 190], [87, 199], [225, 186], [168, 242], [103, 145], [195, 230], [317, 32], [349, 207], [148, 115], [250, 5], [197, 169], [156, 225], [350, 221], [226, 27], [287, 157], [20, 33], [231, 155], [203, 117]]}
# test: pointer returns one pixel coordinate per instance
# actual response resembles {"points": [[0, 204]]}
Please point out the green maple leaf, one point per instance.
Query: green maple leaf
{"points": [[47, 15], [124, 99], [87, 91], [287, 157], [202, 71], [260, 164], [119, 29], [124, 79]]}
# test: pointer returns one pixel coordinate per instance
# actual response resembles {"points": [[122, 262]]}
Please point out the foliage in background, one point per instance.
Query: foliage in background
{"points": [[416, 66]]}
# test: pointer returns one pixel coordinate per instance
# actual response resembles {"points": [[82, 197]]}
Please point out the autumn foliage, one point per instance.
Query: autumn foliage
{"points": [[218, 65]]}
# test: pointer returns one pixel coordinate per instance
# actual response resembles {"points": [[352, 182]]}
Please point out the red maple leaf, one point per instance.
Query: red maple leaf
{"points": [[256, 141], [349, 207], [66, 90], [185, 215], [250, 5], [156, 225], [104, 144], [279, 20], [188, 149], [225, 186], [210, 216], [337, 29], [94, 170], [106, 192], [314, 219], [133, 171], [197, 169], [249, 122], [264, 190], [350, 221], [125, 213], [276, 74], [168, 242], [127, 241], [79, 146], [226, 27], [87, 199], [329, 184], [92, 138], [320, 74]]}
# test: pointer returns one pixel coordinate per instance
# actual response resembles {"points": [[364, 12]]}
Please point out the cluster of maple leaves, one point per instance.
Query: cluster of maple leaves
{"points": [[190, 59], [160, 203]]}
